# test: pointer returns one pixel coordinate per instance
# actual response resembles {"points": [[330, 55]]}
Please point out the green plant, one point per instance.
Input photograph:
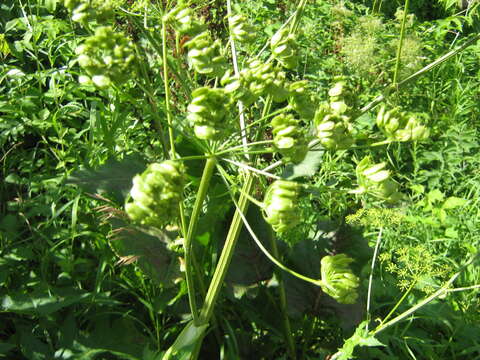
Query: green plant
{"points": [[203, 144]]}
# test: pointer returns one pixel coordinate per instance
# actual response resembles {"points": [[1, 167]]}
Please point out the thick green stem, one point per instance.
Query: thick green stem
{"points": [[283, 299], [226, 255], [197, 208], [400, 43]]}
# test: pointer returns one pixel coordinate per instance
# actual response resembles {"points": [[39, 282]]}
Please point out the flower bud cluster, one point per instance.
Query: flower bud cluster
{"points": [[204, 55], [107, 57], [157, 193], [376, 180], [338, 280], [208, 113], [281, 205], [400, 126], [184, 21], [86, 11], [284, 48], [301, 100], [256, 80], [289, 138], [240, 30]]}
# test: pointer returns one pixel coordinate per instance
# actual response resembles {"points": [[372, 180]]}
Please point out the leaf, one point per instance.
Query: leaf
{"points": [[435, 195], [43, 304], [114, 177], [307, 168], [453, 202], [361, 337], [249, 265], [148, 247], [4, 48], [184, 345]]}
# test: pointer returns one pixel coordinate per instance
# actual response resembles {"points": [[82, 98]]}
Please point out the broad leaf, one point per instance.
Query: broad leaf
{"points": [[148, 248], [114, 177]]}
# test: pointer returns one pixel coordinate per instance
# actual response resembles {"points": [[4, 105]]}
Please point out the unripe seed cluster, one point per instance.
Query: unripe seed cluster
{"points": [[332, 123], [240, 30], [333, 130], [400, 126], [338, 280], [86, 11], [281, 205], [301, 100], [257, 80], [284, 48], [289, 138], [157, 193], [208, 113], [376, 180], [107, 57], [205, 56], [184, 21]]}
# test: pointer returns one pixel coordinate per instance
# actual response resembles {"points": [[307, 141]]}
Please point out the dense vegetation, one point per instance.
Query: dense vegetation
{"points": [[308, 192]]}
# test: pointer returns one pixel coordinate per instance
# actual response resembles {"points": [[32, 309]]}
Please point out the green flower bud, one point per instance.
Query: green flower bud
{"points": [[301, 100], [107, 57], [333, 130], [284, 48], [338, 280], [289, 138], [156, 194], [208, 113], [240, 30], [205, 57], [183, 21], [281, 200]]}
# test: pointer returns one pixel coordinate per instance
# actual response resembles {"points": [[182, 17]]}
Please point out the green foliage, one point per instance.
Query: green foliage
{"points": [[78, 279]]}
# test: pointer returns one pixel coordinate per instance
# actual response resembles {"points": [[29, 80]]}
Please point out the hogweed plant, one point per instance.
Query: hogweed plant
{"points": [[221, 120]]}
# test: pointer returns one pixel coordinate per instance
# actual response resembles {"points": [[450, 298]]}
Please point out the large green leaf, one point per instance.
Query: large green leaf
{"points": [[249, 265], [148, 247], [44, 303], [114, 177]]}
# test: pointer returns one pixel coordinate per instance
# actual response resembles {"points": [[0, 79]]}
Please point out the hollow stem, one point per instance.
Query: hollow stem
{"points": [[197, 208]]}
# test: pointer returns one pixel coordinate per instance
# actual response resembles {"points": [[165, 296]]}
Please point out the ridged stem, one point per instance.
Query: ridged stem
{"points": [[192, 226]]}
